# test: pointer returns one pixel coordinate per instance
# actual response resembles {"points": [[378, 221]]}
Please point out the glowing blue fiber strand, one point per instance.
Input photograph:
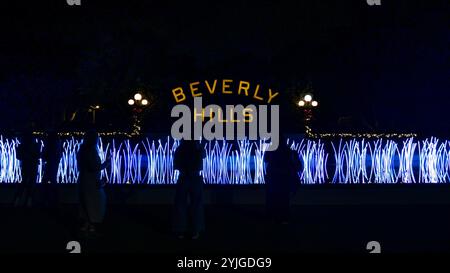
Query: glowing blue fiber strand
{"points": [[380, 161], [224, 163], [352, 161]]}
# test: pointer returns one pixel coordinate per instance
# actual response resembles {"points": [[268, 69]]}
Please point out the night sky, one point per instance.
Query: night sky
{"points": [[373, 69]]}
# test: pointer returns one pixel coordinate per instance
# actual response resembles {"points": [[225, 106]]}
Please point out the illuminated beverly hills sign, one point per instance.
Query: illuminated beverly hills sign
{"points": [[240, 122]]}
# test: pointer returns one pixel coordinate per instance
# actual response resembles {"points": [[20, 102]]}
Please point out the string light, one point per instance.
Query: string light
{"points": [[312, 134], [81, 134]]}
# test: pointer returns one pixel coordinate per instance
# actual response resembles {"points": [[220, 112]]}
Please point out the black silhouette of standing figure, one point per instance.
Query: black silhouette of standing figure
{"points": [[52, 157], [281, 182], [188, 160], [28, 152], [91, 193]]}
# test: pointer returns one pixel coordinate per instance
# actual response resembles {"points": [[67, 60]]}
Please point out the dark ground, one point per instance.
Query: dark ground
{"points": [[236, 229]]}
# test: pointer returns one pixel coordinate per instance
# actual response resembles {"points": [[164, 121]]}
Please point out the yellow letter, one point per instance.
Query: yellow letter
{"points": [[225, 86], [232, 116], [178, 94], [212, 114], [211, 91], [193, 89], [241, 87], [249, 115], [199, 114], [221, 120], [270, 95], [256, 93]]}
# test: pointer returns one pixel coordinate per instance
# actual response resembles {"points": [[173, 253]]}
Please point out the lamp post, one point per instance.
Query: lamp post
{"points": [[138, 104], [93, 109], [307, 104]]}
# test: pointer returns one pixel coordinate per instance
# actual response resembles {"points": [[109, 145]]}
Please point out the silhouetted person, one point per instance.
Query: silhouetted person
{"points": [[281, 181], [188, 160], [28, 152], [91, 194], [52, 157]]}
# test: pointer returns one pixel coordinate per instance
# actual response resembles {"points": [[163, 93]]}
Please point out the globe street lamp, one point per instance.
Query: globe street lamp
{"points": [[307, 104], [138, 103], [137, 97], [308, 98]]}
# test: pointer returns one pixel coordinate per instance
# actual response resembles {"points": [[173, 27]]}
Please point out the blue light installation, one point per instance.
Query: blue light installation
{"points": [[313, 160], [9, 165], [360, 161], [147, 162], [151, 162], [354, 161], [243, 165], [406, 169], [434, 161], [40, 171], [68, 168], [383, 161], [144, 163], [380, 161]]}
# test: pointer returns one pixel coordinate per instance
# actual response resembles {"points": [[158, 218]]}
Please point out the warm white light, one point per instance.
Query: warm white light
{"points": [[138, 96], [130, 102], [97, 107], [301, 103], [314, 103], [308, 98], [144, 102]]}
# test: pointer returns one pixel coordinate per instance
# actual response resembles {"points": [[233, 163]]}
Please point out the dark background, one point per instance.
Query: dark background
{"points": [[373, 68]]}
